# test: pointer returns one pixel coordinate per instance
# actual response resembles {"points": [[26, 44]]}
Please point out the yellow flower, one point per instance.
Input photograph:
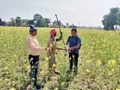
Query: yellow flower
{"points": [[6, 68], [12, 89], [62, 83], [28, 67], [98, 63], [42, 71], [109, 73], [117, 89], [111, 62], [113, 70], [56, 89], [53, 65], [87, 70], [73, 56], [31, 59], [47, 49], [32, 66], [88, 61], [56, 50], [47, 59], [50, 45]]}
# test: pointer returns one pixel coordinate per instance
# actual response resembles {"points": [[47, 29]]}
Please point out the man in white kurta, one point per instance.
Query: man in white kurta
{"points": [[34, 53]]}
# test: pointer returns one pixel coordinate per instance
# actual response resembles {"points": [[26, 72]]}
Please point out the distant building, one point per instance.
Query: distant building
{"points": [[55, 24]]}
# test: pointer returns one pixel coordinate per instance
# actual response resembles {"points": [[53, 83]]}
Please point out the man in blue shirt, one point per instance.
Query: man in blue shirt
{"points": [[74, 42]]}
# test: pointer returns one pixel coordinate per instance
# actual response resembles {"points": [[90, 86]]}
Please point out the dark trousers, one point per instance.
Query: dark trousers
{"points": [[34, 61], [74, 60]]}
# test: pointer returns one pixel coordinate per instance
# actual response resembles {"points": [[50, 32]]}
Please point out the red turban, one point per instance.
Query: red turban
{"points": [[52, 32]]}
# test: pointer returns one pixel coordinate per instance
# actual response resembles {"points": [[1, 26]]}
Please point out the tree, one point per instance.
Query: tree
{"points": [[47, 21], [114, 11], [24, 22], [118, 20], [41, 23], [2, 23], [12, 22], [37, 17], [30, 22], [110, 20], [18, 21]]}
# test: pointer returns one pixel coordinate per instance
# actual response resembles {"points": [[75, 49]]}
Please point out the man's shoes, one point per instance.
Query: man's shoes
{"points": [[37, 87], [75, 71]]}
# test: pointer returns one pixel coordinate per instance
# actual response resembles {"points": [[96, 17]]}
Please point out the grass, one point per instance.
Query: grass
{"points": [[99, 61]]}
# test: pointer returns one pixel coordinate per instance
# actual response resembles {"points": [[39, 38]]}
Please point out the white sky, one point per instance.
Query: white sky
{"points": [[87, 12]]}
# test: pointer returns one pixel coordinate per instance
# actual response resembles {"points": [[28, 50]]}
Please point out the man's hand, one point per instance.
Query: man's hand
{"points": [[65, 46], [70, 49], [46, 48]]}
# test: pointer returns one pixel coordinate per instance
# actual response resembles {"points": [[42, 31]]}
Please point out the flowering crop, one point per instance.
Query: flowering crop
{"points": [[98, 68]]}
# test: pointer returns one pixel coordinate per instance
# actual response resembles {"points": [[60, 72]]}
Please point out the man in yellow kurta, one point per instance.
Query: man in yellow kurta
{"points": [[51, 45]]}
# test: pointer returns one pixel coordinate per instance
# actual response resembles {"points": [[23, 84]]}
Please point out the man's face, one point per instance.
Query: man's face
{"points": [[34, 33], [73, 33]]}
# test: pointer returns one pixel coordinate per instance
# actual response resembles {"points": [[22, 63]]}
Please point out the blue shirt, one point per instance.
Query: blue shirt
{"points": [[73, 41]]}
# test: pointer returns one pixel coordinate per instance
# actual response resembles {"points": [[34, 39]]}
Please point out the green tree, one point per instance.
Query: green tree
{"points": [[18, 21], [110, 20], [2, 23], [41, 23], [24, 22], [12, 22], [30, 22], [37, 17], [118, 20], [47, 21]]}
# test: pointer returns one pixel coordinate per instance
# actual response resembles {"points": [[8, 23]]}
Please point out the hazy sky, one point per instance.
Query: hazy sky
{"points": [[87, 12]]}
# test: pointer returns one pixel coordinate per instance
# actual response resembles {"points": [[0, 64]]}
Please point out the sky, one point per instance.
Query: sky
{"points": [[78, 12]]}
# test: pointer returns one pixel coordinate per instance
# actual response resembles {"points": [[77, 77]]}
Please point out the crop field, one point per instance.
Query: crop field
{"points": [[98, 68]]}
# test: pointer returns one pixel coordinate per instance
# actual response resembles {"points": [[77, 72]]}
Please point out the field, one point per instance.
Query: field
{"points": [[99, 61]]}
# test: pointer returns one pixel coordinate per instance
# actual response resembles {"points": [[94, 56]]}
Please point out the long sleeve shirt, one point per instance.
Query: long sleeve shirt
{"points": [[33, 45], [51, 43]]}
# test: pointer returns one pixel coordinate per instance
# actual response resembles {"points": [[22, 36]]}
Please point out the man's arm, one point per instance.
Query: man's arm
{"points": [[75, 47], [60, 38], [53, 45], [67, 42]]}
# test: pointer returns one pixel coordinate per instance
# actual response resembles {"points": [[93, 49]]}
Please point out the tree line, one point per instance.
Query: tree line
{"points": [[112, 20], [37, 20]]}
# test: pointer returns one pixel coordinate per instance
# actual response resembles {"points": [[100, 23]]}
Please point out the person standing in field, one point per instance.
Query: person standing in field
{"points": [[34, 53], [74, 42], [51, 45]]}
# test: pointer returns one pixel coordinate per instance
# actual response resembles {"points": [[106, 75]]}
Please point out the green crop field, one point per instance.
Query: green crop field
{"points": [[99, 61]]}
